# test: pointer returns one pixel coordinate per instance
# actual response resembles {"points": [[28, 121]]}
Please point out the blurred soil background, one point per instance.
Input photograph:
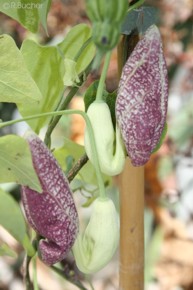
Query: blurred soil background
{"points": [[168, 174]]}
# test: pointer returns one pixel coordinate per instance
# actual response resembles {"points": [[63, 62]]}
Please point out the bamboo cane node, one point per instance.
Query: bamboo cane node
{"points": [[132, 229], [132, 268]]}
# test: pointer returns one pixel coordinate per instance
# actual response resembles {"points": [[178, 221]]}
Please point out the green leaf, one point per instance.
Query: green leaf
{"points": [[87, 173], [47, 70], [12, 220], [28, 13], [70, 75], [163, 135], [110, 99], [5, 250], [28, 246], [51, 71], [16, 163], [16, 84], [43, 12], [90, 94], [74, 42], [69, 163], [85, 57], [140, 19]]}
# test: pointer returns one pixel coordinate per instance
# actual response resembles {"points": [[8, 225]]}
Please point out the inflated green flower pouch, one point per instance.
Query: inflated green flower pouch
{"points": [[95, 246], [111, 152]]}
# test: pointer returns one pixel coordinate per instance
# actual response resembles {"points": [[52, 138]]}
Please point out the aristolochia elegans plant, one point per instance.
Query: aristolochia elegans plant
{"points": [[130, 122]]}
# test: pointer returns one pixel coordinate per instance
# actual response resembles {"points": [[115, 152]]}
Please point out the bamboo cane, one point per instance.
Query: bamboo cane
{"points": [[131, 186], [131, 268]]}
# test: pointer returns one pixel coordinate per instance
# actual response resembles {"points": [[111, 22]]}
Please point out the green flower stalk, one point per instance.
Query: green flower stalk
{"points": [[94, 248]]}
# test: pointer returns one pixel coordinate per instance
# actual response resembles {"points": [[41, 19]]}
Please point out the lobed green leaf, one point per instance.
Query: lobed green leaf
{"points": [[16, 84], [29, 13], [53, 68], [47, 70], [74, 42]]}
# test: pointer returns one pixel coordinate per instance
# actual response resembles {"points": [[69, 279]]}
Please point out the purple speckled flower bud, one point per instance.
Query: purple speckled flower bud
{"points": [[141, 105], [51, 213]]}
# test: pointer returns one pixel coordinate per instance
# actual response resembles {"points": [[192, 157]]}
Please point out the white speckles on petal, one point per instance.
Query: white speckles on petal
{"points": [[52, 213], [141, 105]]}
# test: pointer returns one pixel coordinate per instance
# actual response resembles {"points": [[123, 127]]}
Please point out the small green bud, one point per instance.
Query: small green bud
{"points": [[94, 248], [106, 17]]}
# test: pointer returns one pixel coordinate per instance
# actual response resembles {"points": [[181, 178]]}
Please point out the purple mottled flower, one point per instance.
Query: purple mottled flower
{"points": [[51, 213], [141, 105]]}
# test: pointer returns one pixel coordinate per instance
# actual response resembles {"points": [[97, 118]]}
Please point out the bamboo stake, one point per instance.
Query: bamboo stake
{"points": [[131, 268], [131, 186]]}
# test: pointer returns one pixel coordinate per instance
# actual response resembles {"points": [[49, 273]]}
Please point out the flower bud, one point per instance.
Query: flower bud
{"points": [[110, 149], [52, 213], [141, 105], [94, 248]]}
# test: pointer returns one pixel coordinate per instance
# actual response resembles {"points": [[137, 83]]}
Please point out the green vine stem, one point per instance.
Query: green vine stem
{"points": [[35, 281], [26, 275], [100, 89], [76, 168], [54, 121], [136, 5], [61, 273], [91, 135]]}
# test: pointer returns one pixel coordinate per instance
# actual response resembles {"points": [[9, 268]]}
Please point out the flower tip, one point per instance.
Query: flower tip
{"points": [[50, 253], [137, 162]]}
